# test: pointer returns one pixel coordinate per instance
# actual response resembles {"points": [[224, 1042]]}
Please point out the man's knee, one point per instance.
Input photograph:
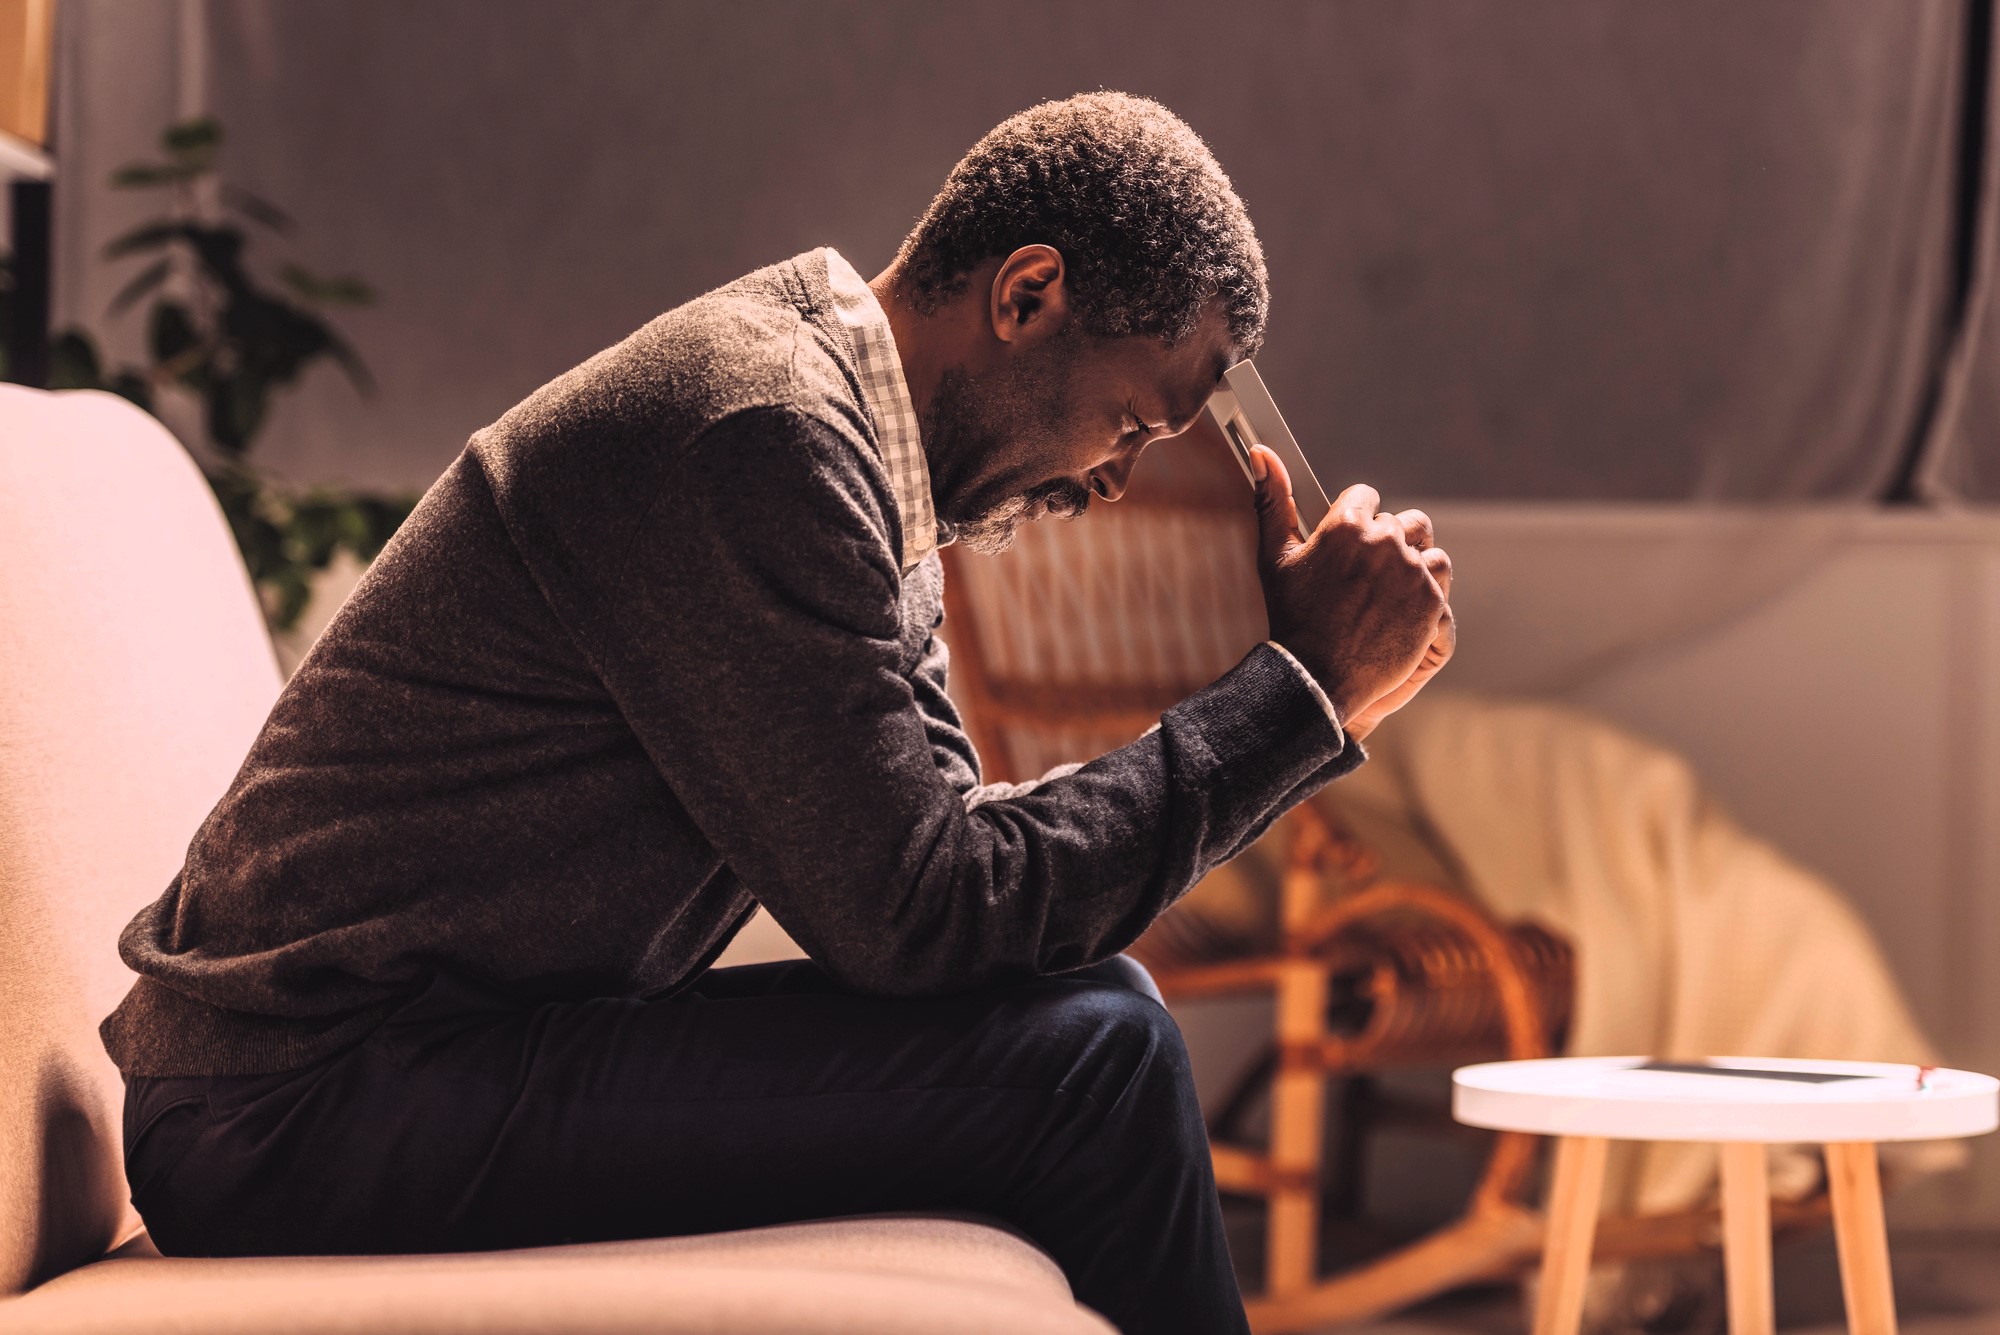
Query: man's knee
{"points": [[1123, 971], [1123, 1043], [1125, 1019]]}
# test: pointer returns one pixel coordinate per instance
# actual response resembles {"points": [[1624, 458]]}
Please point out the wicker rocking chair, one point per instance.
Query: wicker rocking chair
{"points": [[1072, 644]]}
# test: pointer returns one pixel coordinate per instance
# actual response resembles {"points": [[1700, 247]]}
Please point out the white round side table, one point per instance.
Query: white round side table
{"points": [[1743, 1105]]}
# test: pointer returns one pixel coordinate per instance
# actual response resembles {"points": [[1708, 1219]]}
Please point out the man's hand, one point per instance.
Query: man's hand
{"points": [[1363, 603], [1417, 529]]}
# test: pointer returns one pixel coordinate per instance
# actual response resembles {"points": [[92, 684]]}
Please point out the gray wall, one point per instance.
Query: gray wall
{"points": [[1547, 248]]}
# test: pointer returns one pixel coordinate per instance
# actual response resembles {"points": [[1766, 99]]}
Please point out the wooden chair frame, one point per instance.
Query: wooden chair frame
{"points": [[1498, 1232]]}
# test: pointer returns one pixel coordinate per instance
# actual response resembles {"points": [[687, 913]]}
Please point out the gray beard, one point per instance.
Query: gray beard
{"points": [[960, 423], [992, 532]]}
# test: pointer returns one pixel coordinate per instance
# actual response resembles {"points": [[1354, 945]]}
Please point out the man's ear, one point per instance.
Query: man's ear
{"points": [[1029, 299]]}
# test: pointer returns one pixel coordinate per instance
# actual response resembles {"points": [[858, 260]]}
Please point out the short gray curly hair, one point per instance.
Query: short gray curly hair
{"points": [[1149, 227]]}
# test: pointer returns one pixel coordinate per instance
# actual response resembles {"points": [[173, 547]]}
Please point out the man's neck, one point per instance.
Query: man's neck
{"points": [[924, 345], [913, 348]]}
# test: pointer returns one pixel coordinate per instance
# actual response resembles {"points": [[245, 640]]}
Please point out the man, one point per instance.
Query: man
{"points": [[660, 647]]}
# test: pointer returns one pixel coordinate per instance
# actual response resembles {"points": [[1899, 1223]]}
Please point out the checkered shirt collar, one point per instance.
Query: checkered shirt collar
{"points": [[887, 395]]}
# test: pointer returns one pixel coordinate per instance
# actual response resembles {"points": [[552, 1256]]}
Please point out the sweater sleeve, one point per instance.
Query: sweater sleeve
{"points": [[951, 746], [754, 647]]}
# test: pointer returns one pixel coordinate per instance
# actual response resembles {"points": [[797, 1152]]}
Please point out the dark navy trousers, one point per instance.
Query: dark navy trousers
{"points": [[1062, 1106]]}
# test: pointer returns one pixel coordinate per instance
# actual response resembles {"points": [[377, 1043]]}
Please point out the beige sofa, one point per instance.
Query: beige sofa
{"points": [[134, 671]]}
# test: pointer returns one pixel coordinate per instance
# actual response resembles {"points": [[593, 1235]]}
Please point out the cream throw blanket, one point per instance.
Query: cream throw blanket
{"points": [[1693, 937]]}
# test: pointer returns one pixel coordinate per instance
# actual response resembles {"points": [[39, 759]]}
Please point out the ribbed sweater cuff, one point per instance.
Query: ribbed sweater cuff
{"points": [[1267, 730]]}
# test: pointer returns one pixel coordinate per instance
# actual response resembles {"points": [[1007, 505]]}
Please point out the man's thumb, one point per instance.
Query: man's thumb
{"points": [[1277, 515]]}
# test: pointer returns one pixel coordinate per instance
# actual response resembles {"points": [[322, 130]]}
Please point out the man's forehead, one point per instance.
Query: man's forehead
{"points": [[1185, 403], [1190, 373]]}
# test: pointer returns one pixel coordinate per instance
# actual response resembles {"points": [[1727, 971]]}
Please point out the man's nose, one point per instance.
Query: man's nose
{"points": [[1109, 479]]}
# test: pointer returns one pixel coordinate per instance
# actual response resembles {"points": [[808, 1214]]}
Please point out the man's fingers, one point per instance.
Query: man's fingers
{"points": [[1357, 504], [1438, 562], [1277, 513], [1417, 528], [1445, 642]]}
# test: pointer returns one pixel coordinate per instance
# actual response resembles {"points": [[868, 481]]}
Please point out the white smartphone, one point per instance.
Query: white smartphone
{"points": [[1243, 410]]}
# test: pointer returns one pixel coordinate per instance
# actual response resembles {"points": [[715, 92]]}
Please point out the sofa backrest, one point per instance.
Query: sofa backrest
{"points": [[134, 672]]}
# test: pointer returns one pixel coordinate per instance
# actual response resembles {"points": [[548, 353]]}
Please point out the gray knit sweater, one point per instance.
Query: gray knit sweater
{"points": [[642, 659]]}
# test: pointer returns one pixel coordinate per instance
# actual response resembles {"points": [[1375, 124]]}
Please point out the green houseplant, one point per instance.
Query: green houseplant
{"points": [[220, 336]]}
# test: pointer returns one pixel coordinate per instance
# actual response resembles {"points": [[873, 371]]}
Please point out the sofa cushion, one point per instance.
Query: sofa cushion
{"points": [[134, 672], [871, 1276]]}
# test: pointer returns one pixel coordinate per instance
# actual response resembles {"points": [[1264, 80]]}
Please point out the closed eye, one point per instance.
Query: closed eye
{"points": [[1138, 426]]}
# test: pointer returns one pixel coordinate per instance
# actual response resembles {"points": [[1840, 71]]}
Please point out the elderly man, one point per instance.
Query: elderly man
{"points": [[661, 646]]}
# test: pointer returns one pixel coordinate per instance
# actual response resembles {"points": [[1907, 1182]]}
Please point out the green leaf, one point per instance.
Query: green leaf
{"points": [[200, 135], [219, 251], [147, 175], [287, 535], [147, 236], [355, 527], [316, 529], [380, 517], [345, 290], [275, 337], [73, 362], [130, 385], [236, 406], [171, 332], [148, 278], [292, 590], [248, 342], [256, 208], [350, 362]]}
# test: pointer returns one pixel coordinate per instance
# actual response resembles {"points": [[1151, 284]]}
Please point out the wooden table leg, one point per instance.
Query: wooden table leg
{"points": [[1574, 1199], [1855, 1182], [1746, 1237]]}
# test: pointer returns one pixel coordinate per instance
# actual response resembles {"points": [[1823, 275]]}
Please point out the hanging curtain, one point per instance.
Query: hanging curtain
{"points": [[1614, 252], [1958, 460]]}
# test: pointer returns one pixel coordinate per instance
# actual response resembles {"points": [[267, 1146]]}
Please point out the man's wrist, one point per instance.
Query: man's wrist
{"points": [[1312, 680]]}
